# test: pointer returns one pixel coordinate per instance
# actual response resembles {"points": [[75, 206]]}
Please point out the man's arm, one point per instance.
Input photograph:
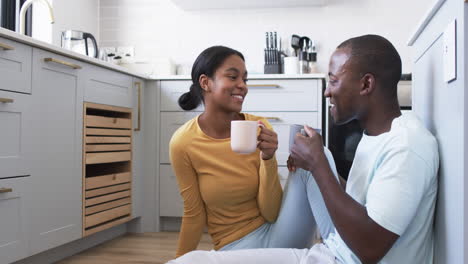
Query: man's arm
{"points": [[368, 240]]}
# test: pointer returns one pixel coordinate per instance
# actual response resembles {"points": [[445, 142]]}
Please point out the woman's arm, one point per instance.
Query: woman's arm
{"points": [[194, 218], [270, 192]]}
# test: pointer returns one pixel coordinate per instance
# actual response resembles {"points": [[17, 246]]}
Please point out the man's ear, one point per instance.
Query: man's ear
{"points": [[367, 84], [204, 80]]}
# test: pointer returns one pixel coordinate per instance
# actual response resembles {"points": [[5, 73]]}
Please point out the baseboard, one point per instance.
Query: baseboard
{"points": [[72, 248], [170, 224]]}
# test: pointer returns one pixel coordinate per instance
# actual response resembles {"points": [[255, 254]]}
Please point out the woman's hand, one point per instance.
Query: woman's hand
{"points": [[267, 142]]}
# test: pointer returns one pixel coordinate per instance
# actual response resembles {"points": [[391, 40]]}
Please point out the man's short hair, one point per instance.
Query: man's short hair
{"points": [[376, 55]]}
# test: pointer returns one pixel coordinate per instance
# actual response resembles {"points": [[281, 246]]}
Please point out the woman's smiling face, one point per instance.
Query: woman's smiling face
{"points": [[227, 89]]}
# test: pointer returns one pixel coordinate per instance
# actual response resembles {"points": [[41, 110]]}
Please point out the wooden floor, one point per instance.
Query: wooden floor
{"points": [[155, 248]]}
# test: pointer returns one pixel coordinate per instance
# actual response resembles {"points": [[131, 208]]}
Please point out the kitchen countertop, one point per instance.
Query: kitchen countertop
{"points": [[8, 34]]}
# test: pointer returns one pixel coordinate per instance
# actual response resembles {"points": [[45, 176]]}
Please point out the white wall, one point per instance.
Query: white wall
{"points": [[69, 14], [443, 109], [158, 28]]}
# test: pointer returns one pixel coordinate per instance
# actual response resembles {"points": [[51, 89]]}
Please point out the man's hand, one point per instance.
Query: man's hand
{"points": [[307, 152], [267, 142]]}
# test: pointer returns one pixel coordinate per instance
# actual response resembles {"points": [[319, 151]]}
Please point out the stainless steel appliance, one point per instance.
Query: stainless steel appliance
{"points": [[80, 41], [343, 140]]}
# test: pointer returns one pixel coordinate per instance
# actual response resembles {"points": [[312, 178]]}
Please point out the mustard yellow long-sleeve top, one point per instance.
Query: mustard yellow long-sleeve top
{"points": [[232, 194]]}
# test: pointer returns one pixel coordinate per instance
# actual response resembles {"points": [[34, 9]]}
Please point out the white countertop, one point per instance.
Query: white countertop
{"points": [[5, 33], [250, 77]]}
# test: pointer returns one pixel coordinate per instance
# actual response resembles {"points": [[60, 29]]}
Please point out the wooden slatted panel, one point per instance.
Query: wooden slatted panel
{"points": [[108, 147], [108, 132], [106, 226], [106, 198], [108, 215], [107, 180], [107, 190], [103, 140], [108, 157], [108, 122], [110, 108], [106, 206]]}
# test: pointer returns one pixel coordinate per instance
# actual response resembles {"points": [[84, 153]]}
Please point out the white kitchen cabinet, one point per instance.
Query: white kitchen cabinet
{"points": [[108, 87], [55, 193], [138, 146], [15, 120], [281, 100], [15, 66], [225, 4], [170, 203], [13, 239]]}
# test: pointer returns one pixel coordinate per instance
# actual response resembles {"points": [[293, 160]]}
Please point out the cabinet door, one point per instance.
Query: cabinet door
{"points": [[15, 66], [137, 163], [108, 87], [55, 195], [13, 243], [170, 201], [15, 119]]}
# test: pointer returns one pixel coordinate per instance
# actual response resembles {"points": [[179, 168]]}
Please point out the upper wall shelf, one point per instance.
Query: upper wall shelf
{"points": [[224, 4]]}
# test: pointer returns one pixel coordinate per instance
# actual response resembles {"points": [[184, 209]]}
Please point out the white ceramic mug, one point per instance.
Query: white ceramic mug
{"points": [[244, 136]]}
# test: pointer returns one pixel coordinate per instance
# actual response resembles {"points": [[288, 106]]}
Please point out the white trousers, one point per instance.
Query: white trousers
{"points": [[318, 254]]}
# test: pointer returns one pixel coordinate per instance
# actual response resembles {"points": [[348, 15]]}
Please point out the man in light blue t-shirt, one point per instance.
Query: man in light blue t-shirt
{"points": [[384, 213]]}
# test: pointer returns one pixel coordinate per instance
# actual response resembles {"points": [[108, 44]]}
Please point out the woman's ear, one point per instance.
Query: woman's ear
{"points": [[204, 82], [367, 84]]}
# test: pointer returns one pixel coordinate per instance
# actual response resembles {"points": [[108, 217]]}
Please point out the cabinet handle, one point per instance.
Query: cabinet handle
{"points": [[263, 86], [6, 47], [138, 128], [273, 118], [6, 100], [6, 190], [68, 64]]}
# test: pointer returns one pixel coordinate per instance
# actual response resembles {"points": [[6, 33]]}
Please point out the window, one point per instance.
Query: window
{"points": [[9, 10]]}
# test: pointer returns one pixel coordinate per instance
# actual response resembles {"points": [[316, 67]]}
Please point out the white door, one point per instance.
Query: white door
{"points": [[55, 196]]}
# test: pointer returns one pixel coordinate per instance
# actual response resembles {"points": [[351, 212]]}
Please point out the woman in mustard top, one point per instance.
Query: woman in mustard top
{"points": [[236, 196]]}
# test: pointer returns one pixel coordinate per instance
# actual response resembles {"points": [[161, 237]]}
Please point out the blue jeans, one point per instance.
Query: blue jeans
{"points": [[302, 212]]}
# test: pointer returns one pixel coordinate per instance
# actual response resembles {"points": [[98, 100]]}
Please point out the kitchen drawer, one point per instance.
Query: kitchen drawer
{"points": [[170, 201], [15, 122], [13, 240], [264, 95], [108, 87], [15, 66], [283, 173], [170, 122], [280, 121]]}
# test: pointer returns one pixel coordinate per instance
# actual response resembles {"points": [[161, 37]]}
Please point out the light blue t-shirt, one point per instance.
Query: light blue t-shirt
{"points": [[394, 175]]}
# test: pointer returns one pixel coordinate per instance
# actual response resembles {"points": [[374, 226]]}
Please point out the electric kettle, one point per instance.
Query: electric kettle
{"points": [[77, 41]]}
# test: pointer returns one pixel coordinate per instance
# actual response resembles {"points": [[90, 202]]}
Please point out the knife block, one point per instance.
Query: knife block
{"points": [[272, 68]]}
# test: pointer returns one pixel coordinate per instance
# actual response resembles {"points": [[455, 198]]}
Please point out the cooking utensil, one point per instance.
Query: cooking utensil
{"points": [[295, 44]]}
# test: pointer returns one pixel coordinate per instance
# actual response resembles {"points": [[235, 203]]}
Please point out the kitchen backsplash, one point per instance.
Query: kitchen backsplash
{"points": [[160, 30]]}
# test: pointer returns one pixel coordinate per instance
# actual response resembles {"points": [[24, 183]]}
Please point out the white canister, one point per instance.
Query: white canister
{"points": [[291, 65]]}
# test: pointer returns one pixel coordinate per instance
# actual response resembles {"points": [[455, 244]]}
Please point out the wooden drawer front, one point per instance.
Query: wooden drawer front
{"points": [[110, 122], [170, 201], [12, 220], [170, 93], [15, 66], [107, 180], [263, 95], [107, 191], [280, 121], [15, 120], [170, 122], [108, 87], [108, 215]]}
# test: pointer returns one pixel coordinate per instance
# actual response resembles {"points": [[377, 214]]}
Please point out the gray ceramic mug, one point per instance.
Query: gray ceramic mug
{"points": [[294, 129]]}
